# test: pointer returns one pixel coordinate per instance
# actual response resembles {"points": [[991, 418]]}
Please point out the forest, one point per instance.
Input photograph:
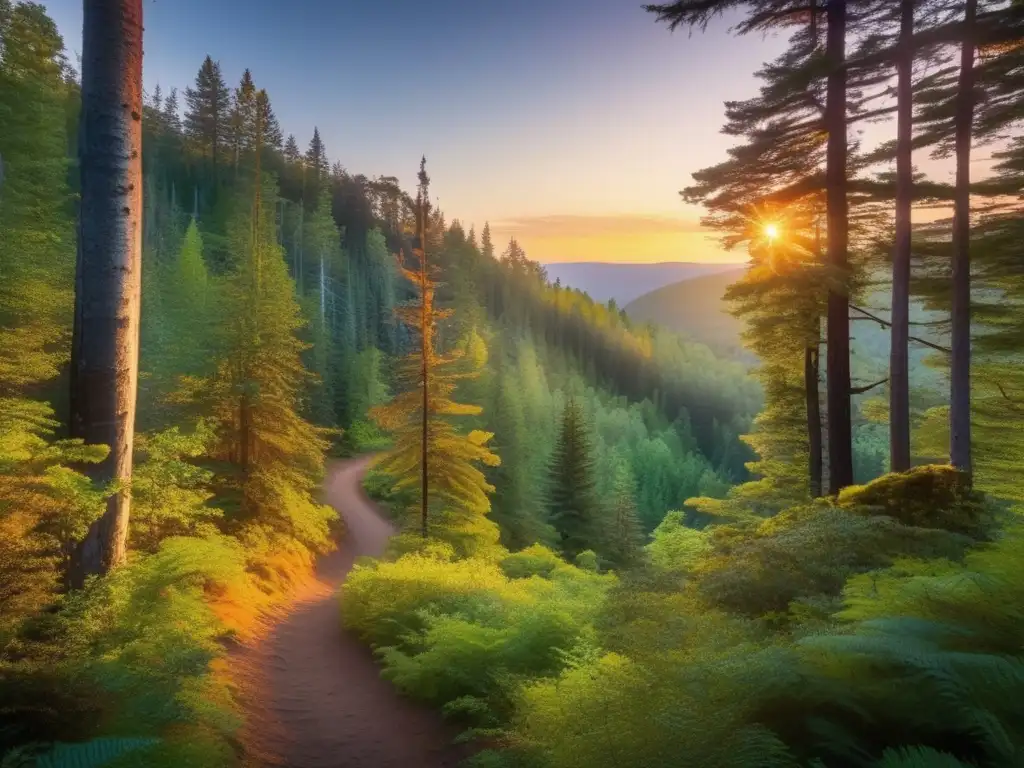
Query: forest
{"points": [[222, 353]]}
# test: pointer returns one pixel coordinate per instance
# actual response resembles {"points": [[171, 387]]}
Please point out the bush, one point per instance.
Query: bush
{"points": [[536, 560], [464, 633], [936, 496]]}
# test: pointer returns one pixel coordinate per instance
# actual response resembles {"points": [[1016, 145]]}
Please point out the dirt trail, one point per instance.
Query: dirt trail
{"points": [[314, 695]]}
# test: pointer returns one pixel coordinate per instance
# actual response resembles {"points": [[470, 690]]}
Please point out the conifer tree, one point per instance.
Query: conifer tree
{"points": [[208, 114], [291, 149], [324, 241], [624, 540], [171, 116], [271, 128], [430, 458], [181, 327], [815, 125], [518, 506], [574, 506], [36, 236], [318, 169], [486, 245], [243, 118], [256, 392]]}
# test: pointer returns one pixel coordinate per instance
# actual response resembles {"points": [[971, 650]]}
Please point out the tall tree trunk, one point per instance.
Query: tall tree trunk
{"points": [[105, 348], [840, 434], [960, 372], [899, 361], [425, 352], [813, 419]]}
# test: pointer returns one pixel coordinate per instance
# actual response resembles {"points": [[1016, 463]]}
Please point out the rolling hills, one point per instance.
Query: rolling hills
{"points": [[695, 309], [625, 282]]}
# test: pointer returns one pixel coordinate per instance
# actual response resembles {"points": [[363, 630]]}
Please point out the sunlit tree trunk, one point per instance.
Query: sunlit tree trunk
{"points": [[105, 347], [840, 437], [426, 353], [960, 371], [899, 370]]}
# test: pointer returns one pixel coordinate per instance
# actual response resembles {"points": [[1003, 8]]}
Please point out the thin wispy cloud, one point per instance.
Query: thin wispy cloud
{"points": [[596, 225]]}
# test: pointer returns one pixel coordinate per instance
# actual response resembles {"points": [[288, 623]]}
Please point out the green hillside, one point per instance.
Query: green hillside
{"points": [[695, 309]]}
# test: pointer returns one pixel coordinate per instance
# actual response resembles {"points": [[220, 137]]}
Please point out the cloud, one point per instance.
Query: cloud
{"points": [[562, 226]]}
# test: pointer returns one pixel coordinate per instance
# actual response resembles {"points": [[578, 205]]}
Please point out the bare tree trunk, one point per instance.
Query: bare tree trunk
{"points": [[104, 369], [813, 419], [899, 361], [425, 353], [960, 372], [840, 434]]}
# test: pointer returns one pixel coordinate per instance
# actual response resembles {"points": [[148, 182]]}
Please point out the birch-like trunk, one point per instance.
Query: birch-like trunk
{"points": [[105, 348]]}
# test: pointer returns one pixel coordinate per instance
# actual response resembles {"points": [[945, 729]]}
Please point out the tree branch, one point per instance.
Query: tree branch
{"points": [[887, 324], [868, 387]]}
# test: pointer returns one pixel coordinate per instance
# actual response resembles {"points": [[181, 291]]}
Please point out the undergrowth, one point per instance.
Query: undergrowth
{"points": [[856, 633], [134, 669]]}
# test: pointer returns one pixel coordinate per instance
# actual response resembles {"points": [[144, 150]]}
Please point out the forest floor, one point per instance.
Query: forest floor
{"points": [[312, 693]]}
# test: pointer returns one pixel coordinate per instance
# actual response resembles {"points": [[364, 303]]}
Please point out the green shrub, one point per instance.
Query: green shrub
{"points": [[463, 634], [536, 560]]}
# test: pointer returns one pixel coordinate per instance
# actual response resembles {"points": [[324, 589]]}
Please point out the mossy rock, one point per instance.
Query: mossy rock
{"points": [[934, 496]]}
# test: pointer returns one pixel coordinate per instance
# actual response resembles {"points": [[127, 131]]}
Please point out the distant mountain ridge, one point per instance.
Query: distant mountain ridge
{"points": [[624, 281]]}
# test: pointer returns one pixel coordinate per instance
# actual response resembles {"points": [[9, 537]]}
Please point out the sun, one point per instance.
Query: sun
{"points": [[771, 231]]}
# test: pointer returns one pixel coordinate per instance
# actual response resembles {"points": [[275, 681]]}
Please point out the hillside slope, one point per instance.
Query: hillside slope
{"points": [[625, 282], [695, 309]]}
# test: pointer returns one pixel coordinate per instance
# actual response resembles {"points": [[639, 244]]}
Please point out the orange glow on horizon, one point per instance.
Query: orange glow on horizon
{"points": [[635, 248]]}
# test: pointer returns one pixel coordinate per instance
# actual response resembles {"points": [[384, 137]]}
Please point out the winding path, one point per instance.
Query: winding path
{"points": [[312, 692]]}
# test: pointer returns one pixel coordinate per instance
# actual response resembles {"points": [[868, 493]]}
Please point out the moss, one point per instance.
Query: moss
{"points": [[933, 496]]}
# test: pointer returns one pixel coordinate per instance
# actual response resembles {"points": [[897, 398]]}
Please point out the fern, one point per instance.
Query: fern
{"points": [[90, 754], [918, 757]]}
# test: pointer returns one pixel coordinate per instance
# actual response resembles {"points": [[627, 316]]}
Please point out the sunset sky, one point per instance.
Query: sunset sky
{"points": [[571, 124]]}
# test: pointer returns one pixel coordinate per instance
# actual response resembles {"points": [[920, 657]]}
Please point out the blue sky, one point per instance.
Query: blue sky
{"points": [[556, 119]]}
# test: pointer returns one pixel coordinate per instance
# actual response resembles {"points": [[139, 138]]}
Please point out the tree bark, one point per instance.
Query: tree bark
{"points": [[425, 352], [105, 348], [840, 434], [813, 420], [899, 360], [960, 371]]}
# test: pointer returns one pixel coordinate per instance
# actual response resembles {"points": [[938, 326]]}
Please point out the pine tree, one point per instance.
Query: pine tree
{"points": [[171, 116], [430, 458], [36, 236], [487, 246], [181, 331], [323, 241], [243, 118], [518, 503], [572, 496], [208, 114], [624, 539], [271, 128], [291, 149], [318, 169], [255, 395]]}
